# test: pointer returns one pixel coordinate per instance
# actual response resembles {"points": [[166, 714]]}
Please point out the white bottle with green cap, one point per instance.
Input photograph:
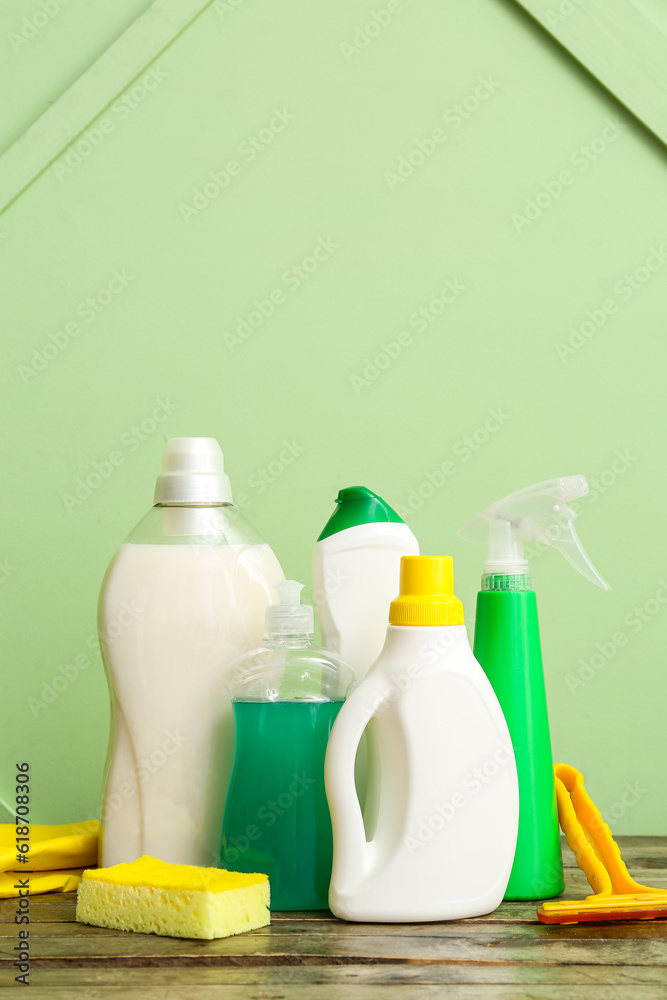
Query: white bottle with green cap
{"points": [[356, 569]]}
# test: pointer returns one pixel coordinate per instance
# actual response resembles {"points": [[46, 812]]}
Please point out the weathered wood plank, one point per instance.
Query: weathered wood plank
{"points": [[61, 907], [645, 856], [637, 852], [628, 943], [40, 910], [361, 975], [304, 955], [290, 930], [65, 911], [317, 991]]}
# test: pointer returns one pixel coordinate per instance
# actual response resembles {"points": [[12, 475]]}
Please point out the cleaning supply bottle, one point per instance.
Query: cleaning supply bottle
{"points": [[183, 596], [507, 644], [356, 567], [449, 808], [285, 696]]}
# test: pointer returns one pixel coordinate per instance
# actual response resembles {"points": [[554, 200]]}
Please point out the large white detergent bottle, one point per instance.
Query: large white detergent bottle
{"points": [[356, 567], [448, 796], [183, 596]]}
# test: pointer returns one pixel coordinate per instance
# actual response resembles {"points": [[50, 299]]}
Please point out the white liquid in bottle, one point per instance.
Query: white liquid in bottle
{"points": [[177, 605]]}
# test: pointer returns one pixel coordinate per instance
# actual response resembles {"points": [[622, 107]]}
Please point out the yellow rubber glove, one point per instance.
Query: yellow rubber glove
{"points": [[57, 857]]}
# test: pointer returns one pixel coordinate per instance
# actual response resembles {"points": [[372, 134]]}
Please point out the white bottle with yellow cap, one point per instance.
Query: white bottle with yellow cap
{"points": [[449, 806]]}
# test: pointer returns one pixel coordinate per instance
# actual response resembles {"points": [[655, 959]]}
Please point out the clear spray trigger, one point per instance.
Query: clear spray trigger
{"points": [[539, 513], [568, 542]]}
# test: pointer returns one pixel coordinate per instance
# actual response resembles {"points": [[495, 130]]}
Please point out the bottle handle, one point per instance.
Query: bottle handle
{"points": [[352, 853]]}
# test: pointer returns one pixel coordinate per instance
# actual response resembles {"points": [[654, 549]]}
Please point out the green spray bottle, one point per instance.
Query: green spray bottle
{"points": [[507, 644]]}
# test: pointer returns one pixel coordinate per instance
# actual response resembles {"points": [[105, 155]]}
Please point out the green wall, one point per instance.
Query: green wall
{"points": [[539, 351]]}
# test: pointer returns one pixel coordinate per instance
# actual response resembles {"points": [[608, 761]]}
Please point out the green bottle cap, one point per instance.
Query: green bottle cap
{"points": [[358, 505]]}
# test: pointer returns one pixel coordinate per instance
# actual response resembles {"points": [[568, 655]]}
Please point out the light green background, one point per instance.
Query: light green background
{"points": [[163, 337]]}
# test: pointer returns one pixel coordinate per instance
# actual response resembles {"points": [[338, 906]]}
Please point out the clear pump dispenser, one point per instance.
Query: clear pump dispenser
{"points": [[285, 697]]}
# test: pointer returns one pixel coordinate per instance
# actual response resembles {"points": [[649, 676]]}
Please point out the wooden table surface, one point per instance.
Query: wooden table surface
{"points": [[313, 955]]}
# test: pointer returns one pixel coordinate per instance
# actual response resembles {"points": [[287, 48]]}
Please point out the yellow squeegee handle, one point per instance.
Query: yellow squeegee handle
{"points": [[590, 839]]}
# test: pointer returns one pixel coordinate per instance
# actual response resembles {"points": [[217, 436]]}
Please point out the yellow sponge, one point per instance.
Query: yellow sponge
{"points": [[153, 897]]}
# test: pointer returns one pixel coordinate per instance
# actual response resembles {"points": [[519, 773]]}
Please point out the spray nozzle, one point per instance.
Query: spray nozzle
{"points": [[290, 616], [573, 487], [539, 513]]}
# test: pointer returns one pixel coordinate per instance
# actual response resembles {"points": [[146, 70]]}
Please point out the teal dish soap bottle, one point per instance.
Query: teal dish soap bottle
{"points": [[285, 697]]}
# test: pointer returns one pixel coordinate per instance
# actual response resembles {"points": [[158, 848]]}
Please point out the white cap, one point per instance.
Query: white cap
{"points": [[193, 471], [290, 617]]}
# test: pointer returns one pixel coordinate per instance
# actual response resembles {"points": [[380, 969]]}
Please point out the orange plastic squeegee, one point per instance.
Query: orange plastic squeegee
{"points": [[617, 896]]}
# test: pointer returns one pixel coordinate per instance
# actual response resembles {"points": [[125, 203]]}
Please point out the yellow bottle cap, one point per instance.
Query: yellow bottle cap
{"points": [[427, 593]]}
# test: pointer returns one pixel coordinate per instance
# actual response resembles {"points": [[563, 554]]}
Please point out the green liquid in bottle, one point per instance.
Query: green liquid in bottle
{"points": [[276, 815], [507, 644]]}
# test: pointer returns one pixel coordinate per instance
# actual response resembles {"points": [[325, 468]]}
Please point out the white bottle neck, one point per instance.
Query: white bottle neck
{"points": [[421, 648]]}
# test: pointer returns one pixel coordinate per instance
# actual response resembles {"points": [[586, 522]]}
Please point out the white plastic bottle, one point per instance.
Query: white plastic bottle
{"points": [[449, 806], [356, 566], [183, 596], [356, 569]]}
